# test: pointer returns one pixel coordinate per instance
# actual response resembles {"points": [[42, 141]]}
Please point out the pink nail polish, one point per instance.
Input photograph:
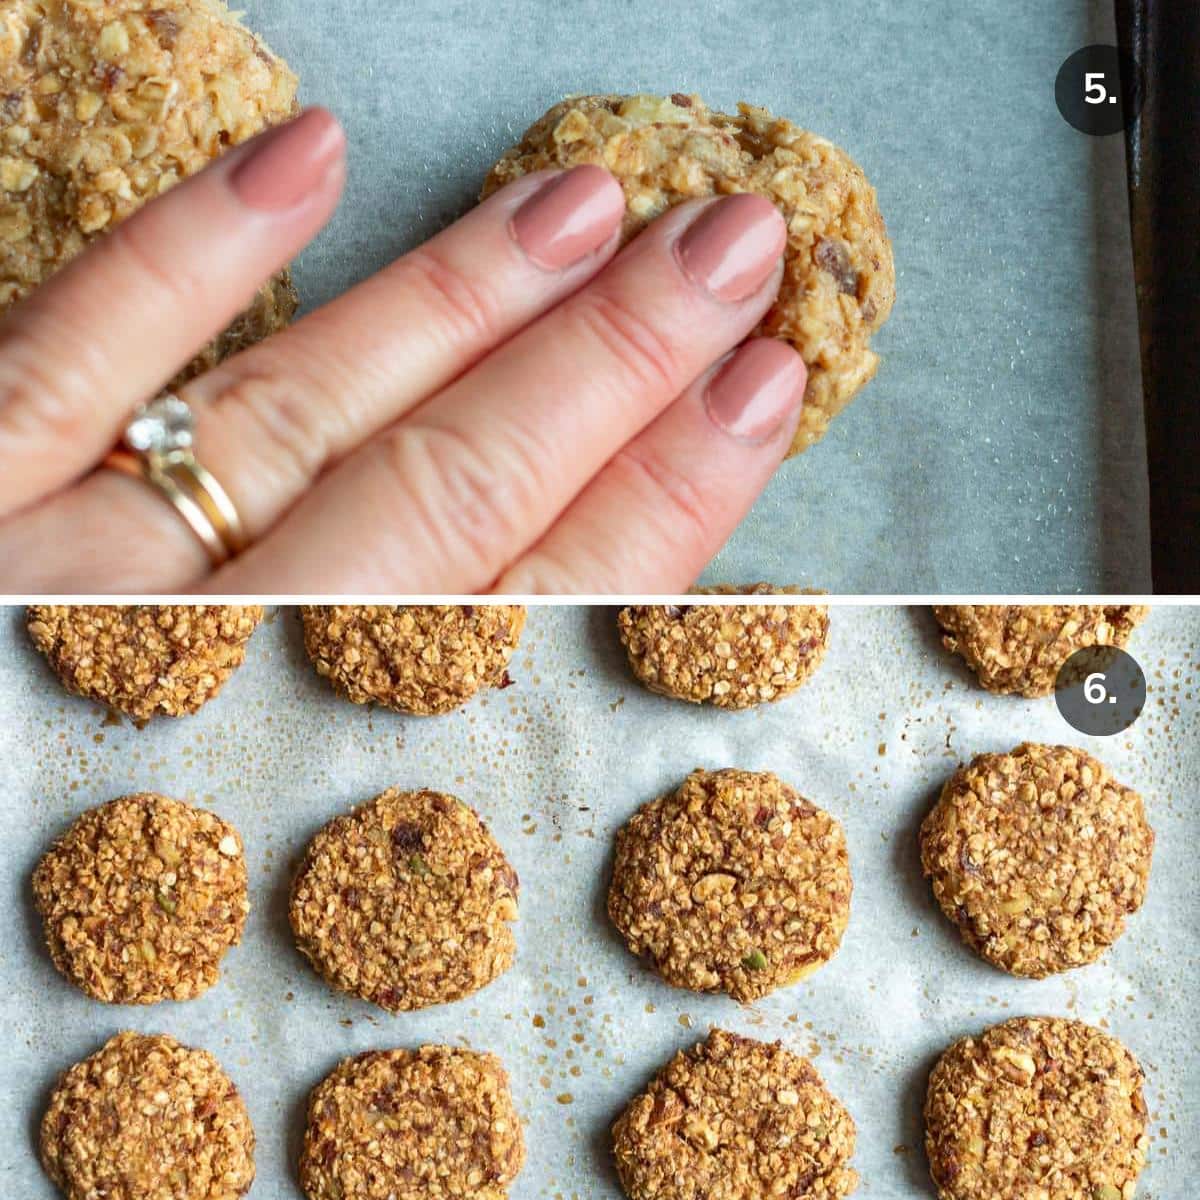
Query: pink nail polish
{"points": [[572, 216], [757, 391], [732, 247], [282, 166]]}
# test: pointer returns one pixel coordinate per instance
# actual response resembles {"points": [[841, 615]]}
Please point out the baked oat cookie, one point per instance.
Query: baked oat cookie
{"points": [[107, 104], [732, 883], [144, 660], [416, 658], [412, 1125], [1038, 857], [406, 901], [1036, 1107], [735, 1119], [1020, 648], [733, 656], [141, 898], [839, 280], [146, 1118]]}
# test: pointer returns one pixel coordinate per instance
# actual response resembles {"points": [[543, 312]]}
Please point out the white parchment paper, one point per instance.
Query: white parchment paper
{"points": [[555, 764], [1001, 446]]}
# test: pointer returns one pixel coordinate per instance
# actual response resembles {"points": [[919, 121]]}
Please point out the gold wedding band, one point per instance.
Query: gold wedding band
{"points": [[157, 448]]}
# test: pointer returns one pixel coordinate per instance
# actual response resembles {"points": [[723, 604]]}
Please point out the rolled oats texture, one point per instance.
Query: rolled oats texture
{"points": [[731, 656], [107, 104], [1038, 857], [423, 659], [733, 883], [733, 1118], [412, 1125], [144, 660], [839, 281], [146, 1118], [406, 901], [1019, 649], [279, 757], [141, 898], [1036, 1107]]}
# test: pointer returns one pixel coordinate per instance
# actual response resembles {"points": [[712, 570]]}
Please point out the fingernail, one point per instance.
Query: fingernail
{"points": [[757, 391], [732, 247], [282, 166], [570, 218]]}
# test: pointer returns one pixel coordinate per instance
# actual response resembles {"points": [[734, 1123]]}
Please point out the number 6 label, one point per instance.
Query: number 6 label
{"points": [[1100, 690]]}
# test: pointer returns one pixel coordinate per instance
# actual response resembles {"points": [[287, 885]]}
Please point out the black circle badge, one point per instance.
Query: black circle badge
{"points": [[1100, 690], [1096, 90]]}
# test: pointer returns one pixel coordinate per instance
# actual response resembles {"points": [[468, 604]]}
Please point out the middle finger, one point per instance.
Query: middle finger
{"points": [[270, 420], [481, 471]]}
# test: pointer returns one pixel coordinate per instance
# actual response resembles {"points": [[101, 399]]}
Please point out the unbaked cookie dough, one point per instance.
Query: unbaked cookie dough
{"points": [[109, 103], [732, 883], [1020, 648], [412, 1125], [406, 901], [729, 655], [839, 280], [415, 658], [1036, 1107], [144, 659], [1038, 857], [141, 898], [148, 1118], [735, 1119]]}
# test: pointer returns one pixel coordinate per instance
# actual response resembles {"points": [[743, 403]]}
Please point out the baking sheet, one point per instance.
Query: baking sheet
{"points": [[555, 764], [1001, 446]]}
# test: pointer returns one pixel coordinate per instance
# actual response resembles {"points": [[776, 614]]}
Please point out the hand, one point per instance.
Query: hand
{"points": [[514, 406]]}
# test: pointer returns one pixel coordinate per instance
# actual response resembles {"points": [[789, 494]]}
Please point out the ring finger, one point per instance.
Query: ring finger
{"points": [[270, 420]]}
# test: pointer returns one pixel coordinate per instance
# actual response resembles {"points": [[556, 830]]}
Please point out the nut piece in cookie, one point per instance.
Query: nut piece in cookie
{"points": [[1020, 648], [732, 883], [406, 901], [146, 1117], [1039, 1107], [735, 1119], [1038, 857], [110, 103], [410, 1125], [141, 898], [732, 656], [839, 281], [415, 658], [144, 660]]}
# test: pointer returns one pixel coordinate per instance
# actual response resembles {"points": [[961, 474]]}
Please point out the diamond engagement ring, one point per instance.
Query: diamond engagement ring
{"points": [[157, 448]]}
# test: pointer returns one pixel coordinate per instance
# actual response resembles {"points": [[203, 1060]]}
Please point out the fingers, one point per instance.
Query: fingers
{"points": [[275, 417], [664, 505], [445, 500], [270, 420], [107, 331]]}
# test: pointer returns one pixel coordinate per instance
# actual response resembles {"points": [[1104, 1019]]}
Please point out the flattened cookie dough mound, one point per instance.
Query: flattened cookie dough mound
{"points": [[146, 1117], [735, 1119], [732, 883], [412, 1125], [1020, 648], [141, 898], [733, 656], [106, 105], [1038, 857], [839, 281], [144, 660], [406, 901], [1036, 1107], [416, 658]]}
